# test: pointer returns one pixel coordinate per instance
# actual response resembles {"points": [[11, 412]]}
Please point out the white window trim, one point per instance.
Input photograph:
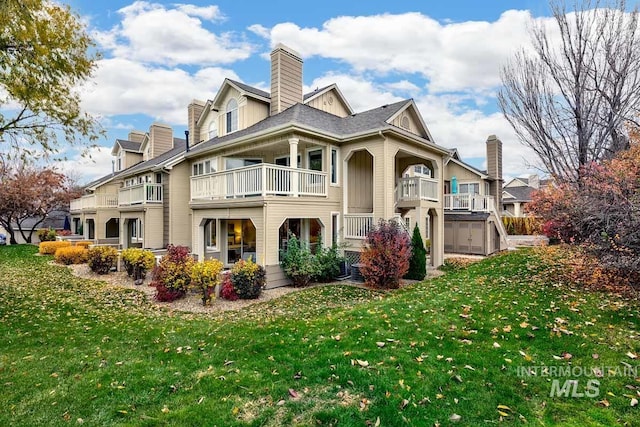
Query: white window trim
{"points": [[260, 159], [137, 232], [311, 150], [213, 125], [213, 162], [286, 156], [206, 235], [460, 184], [337, 165], [229, 129]]}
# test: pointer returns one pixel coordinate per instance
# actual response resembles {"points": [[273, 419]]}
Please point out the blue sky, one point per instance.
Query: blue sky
{"points": [[157, 56]]}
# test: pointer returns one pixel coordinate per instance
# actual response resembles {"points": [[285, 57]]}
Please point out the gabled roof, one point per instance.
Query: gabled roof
{"points": [[158, 161], [482, 174], [314, 120], [241, 87], [125, 145], [517, 194], [410, 105], [250, 89], [308, 97]]}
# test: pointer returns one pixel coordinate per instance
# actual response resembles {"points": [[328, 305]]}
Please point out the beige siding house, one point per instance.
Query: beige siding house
{"points": [[257, 167], [518, 192]]}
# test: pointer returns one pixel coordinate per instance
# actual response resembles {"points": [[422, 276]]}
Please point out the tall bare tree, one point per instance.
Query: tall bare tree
{"points": [[570, 95]]}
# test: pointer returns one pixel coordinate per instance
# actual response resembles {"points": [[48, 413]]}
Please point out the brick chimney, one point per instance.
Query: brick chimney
{"points": [[160, 139], [494, 168], [193, 111], [286, 78]]}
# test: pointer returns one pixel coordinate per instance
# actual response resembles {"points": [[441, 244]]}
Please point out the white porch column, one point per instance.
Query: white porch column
{"points": [[293, 162]]}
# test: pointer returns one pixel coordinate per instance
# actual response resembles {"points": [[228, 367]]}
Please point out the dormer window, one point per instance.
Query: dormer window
{"points": [[213, 129], [232, 115]]}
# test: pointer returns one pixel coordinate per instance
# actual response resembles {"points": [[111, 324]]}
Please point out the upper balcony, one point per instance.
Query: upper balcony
{"points": [[140, 194], [469, 202], [264, 179], [94, 201], [410, 191]]}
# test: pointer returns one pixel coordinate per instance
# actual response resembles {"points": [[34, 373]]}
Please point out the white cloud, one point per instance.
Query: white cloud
{"points": [[452, 56], [123, 87], [154, 33], [210, 13], [259, 30], [95, 164]]}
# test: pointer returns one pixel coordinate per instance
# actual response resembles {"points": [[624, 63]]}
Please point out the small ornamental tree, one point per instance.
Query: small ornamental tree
{"points": [[204, 278], [418, 260], [172, 277], [385, 258], [298, 263]]}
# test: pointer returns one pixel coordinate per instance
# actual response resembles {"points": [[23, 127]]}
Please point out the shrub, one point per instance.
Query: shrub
{"points": [[418, 261], [137, 262], [521, 225], [204, 277], [172, 276], [327, 262], [226, 290], [46, 234], [84, 243], [385, 258], [50, 248], [64, 232], [248, 279], [71, 255], [297, 262], [457, 263], [102, 259]]}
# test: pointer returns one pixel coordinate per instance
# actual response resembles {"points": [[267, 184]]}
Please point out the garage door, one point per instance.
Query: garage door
{"points": [[464, 237]]}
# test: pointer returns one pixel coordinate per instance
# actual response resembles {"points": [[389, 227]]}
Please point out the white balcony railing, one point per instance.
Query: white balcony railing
{"points": [[417, 188], [357, 226], [469, 202], [140, 194], [259, 180], [94, 201]]}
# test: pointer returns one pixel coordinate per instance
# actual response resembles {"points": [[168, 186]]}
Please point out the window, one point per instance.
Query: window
{"points": [[284, 161], [334, 228], [158, 178], [213, 128], [314, 160], [205, 167], [232, 116], [232, 163], [422, 170], [407, 222], [427, 228], [334, 165], [111, 228], [405, 122], [119, 163], [487, 189], [136, 230], [211, 234], [469, 188]]}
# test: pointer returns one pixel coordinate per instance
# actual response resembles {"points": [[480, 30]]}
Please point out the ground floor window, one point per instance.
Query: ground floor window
{"points": [[307, 230], [91, 229], [211, 234], [241, 240], [112, 228], [334, 229], [136, 230], [77, 226]]}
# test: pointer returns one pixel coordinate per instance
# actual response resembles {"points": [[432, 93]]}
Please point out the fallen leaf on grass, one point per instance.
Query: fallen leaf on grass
{"points": [[496, 345], [634, 402], [632, 355], [454, 418]]}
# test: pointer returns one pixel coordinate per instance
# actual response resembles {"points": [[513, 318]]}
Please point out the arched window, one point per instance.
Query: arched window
{"points": [[232, 115], [213, 129]]}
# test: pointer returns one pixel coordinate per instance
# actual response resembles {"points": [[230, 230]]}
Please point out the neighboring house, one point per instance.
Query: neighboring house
{"points": [[518, 192], [54, 220], [258, 167]]}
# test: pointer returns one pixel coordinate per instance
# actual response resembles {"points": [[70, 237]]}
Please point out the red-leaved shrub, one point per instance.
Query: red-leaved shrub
{"points": [[385, 258], [227, 290], [172, 276]]}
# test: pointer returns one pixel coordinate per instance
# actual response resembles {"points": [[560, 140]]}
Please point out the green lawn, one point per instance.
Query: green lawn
{"points": [[73, 351]]}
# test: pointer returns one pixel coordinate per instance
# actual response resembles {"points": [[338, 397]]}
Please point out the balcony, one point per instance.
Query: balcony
{"points": [[469, 203], [259, 180], [140, 194], [94, 201], [410, 191], [357, 226]]}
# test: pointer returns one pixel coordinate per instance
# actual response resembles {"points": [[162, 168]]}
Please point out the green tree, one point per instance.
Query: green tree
{"points": [[418, 260], [45, 57]]}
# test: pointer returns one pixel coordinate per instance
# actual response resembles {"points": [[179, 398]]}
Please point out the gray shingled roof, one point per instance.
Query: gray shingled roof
{"points": [[303, 115], [129, 145], [156, 161], [520, 194], [251, 89]]}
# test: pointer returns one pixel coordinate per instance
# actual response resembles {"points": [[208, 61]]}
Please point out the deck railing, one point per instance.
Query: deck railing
{"points": [[469, 202], [357, 226], [259, 180], [94, 201], [140, 194], [417, 188]]}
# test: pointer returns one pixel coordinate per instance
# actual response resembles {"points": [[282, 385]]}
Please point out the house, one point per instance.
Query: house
{"points": [[258, 167], [518, 192], [131, 207]]}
